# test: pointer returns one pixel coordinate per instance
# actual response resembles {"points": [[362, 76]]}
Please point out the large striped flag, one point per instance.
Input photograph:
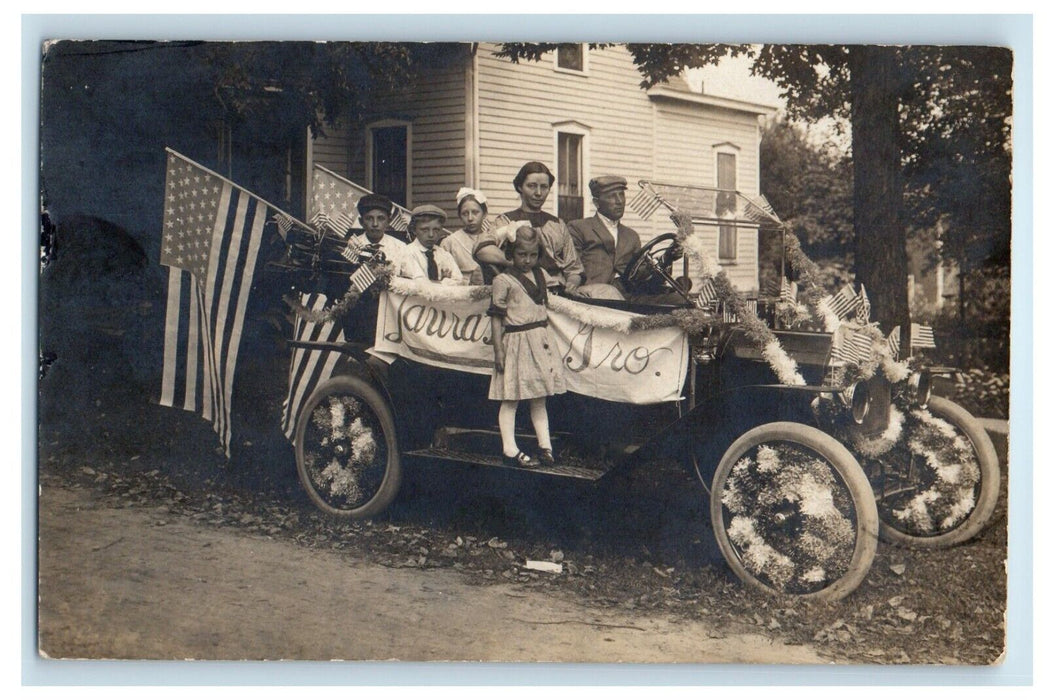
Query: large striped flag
{"points": [[310, 367], [786, 291], [212, 232]]}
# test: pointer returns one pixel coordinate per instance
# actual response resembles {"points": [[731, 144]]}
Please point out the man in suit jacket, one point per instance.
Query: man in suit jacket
{"points": [[605, 245]]}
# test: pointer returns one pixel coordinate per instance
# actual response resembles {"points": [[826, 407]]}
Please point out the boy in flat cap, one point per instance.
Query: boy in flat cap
{"points": [[604, 244], [422, 258], [375, 212]]}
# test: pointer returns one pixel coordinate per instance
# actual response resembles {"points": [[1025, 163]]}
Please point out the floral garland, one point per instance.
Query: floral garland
{"points": [[949, 474], [753, 327], [756, 488], [338, 310]]}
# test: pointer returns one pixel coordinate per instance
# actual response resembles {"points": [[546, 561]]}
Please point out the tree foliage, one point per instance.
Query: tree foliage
{"points": [[810, 187], [930, 141], [315, 82]]}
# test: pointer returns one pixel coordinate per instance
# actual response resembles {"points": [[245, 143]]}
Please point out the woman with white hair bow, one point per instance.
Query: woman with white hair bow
{"points": [[472, 210]]}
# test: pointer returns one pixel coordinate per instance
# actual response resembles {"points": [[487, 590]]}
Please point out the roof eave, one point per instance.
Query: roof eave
{"points": [[660, 91]]}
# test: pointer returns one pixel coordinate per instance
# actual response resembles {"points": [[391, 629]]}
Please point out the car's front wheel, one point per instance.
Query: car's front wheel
{"points": [[793, 513], [346, 450]]}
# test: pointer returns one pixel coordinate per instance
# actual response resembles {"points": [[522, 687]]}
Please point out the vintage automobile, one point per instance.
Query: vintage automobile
{"points": [[802, 477]]}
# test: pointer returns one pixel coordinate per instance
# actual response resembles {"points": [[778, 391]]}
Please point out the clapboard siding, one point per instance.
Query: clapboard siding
{"points": [[332, 149], [435, 109], [631, 134], [520, 104]]}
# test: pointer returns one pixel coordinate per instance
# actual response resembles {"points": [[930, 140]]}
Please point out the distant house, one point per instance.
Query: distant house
{"points": [[475, 119]]}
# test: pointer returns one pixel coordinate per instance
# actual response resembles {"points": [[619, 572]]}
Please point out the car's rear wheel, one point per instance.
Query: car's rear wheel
{"points": [[346, 451], [793, 513]]}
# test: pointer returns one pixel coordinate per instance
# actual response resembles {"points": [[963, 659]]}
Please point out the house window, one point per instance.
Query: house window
{"points": [[572, 57], [389, 160], [570, 160], [727, 203]]}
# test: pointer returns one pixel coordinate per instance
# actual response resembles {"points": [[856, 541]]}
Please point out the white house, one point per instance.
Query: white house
{"points": [[475, 119]]}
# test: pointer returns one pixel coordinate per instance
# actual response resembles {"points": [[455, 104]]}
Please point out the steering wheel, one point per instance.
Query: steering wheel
{"points": [[661, 251]]}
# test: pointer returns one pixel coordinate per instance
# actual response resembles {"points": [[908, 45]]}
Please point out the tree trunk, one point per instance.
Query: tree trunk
{"points": [[881, 262]]}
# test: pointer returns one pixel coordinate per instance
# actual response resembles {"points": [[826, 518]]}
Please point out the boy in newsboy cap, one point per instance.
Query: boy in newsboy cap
{"points": [[423, 259]]}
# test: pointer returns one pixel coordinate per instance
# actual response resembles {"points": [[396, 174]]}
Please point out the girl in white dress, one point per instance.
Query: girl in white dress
{"points": [[527, 364]]}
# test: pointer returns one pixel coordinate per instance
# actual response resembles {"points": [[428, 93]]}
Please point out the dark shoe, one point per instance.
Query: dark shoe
{"points": [[545, 457], [520, 460]]}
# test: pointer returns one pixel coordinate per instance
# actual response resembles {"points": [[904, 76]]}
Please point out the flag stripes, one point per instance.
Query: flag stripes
{"points": [[863, 311], [786, 291], [351, 251], [706, 295], [844, 301], [921, 336], [645, 203], [363, 278], [894, 341], [212, 235], [310, 367]]}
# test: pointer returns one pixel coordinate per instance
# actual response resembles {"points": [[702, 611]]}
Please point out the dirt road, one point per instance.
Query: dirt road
{"points": [[142, 582]]}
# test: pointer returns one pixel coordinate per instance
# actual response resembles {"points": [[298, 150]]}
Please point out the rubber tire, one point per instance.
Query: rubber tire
{"points": [[988, 465], [362, 390], [853, 478]]}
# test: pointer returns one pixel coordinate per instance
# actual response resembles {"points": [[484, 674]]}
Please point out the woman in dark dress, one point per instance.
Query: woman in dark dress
{"points": [[559, 260]]}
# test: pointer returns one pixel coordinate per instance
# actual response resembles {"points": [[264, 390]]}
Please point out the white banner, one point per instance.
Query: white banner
{"points": [[640, 367]]}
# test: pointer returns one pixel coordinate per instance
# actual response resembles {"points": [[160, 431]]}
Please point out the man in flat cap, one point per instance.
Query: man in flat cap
{"points": [[375, 212], [604, 244], [422, 258]]}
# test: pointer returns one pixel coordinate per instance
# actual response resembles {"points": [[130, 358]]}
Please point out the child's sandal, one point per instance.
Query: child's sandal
{"points": [[545, 457], [520, 460]]}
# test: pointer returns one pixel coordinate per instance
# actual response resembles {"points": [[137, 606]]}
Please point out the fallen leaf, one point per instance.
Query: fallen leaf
{"points": [[896, 601], [898, 569]]}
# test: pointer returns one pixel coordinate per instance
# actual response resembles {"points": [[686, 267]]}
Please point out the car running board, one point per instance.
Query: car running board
{"points": [[570, 468]]}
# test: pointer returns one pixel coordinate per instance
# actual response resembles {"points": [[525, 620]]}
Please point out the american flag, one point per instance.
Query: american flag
{"points": [[310, 367], [863, 310], [333, 204], [786, 291], [921, 336], [851, 347], [894, 341], [363, 278], [857, 349], [284, 223], [485, 227], [706, 295], [351, 252], [645, 203], [759, 211], [335, 197], [844, 301], [729, 316], [400, 219], [211, 237]]}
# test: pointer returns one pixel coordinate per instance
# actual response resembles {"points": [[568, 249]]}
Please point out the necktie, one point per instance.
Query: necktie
{"points": [[434, 272]]}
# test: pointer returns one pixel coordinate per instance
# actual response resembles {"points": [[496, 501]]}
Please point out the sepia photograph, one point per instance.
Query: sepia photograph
{"points": [[555, 352]]}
